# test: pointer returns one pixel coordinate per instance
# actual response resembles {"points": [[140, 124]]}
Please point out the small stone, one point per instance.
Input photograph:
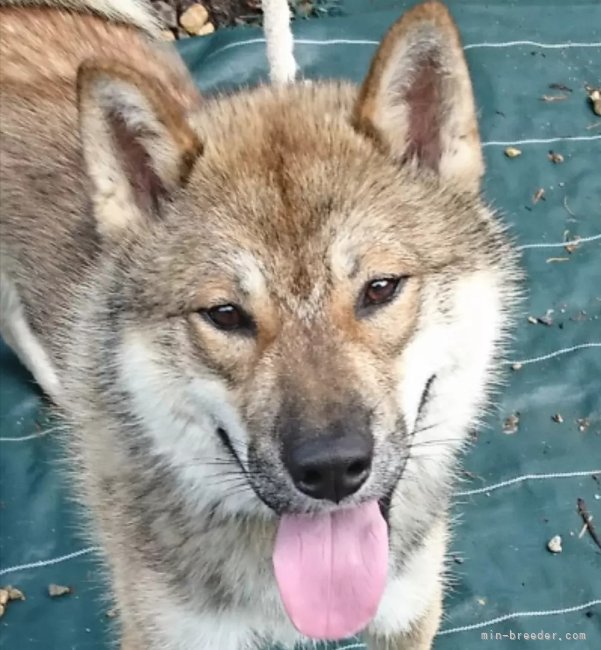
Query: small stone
{"points": [[194, 19], [209, 28], [55, 591], [481, 601], [557, 418], [3, 597], [513, 152], [554, 544], [516, 366], [532, 320], [167, 35], [2, 610], [15, 594]]}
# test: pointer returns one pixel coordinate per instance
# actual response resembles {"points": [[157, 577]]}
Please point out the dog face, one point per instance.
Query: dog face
{"points": [[302, 294]]}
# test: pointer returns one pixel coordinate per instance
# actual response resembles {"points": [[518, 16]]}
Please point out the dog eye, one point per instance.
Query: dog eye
{"points": [[380, 291], [228, 318]]}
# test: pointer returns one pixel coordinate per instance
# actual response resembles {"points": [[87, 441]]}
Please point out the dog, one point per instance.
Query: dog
{"points": [[270, 320]]}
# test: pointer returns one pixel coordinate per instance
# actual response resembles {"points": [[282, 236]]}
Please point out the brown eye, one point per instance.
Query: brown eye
{"points": [[380, 291], [228, 318]]}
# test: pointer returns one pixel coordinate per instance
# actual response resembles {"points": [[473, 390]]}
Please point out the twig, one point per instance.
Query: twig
{"points": [[586, 517], [565, 205]]}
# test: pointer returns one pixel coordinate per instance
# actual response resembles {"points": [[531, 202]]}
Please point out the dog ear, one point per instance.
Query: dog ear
{"points": [[137, 144], [417, 100]]}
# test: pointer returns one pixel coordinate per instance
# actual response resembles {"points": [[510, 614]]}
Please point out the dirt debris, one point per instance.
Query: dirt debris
{"points": [[594, 97], [513, 152], [55, 591], [539, 195], [555, 157], [557, 418], [546, 320], [511, 424], [560, 86], [554, 544], [554, 98], [583, 424]]}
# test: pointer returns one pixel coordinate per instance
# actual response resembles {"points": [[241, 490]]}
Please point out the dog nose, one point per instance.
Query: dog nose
{"points": [[329, 469]]}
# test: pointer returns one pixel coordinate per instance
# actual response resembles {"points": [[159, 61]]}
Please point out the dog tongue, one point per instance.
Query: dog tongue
{"points": [[331, 569]]}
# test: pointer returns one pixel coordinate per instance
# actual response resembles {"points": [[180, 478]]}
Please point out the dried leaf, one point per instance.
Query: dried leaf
{"points": [[15, 594], [554, 98], [538, 195], [54, 591], [511, 424], [513, 152], [594, 96]]}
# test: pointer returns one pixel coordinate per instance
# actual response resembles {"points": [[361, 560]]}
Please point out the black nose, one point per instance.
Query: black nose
{"points": [[326, 468]]}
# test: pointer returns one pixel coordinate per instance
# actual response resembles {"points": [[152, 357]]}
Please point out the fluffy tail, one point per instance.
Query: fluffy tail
{"points": [[132, 12], [280, 42]]}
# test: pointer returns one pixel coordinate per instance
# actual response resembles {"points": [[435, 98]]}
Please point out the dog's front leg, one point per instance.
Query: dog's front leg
{"points": [[419, 637]]}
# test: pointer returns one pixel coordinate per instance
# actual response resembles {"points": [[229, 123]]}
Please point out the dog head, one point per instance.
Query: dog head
{"points": [[302, 295]]}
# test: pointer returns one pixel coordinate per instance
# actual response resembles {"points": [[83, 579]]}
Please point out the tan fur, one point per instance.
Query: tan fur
{"points": [[129, 209], [40, 52], [136, 13]]}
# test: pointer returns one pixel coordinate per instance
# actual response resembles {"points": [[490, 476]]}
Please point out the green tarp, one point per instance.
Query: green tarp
{"points": [[521, 488]]}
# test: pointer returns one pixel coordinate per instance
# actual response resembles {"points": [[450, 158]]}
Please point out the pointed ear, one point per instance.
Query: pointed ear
{"points": [[417, 100], [137, 143]]}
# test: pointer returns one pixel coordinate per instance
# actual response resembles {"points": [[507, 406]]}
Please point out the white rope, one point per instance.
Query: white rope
{"points": [[567, 138], [526, 477], [551, 355], [50, 562], [573, 242], [280, 42], [507, 617], [32, 436]]}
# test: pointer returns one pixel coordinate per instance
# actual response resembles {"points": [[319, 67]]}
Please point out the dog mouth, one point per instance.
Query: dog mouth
{"points": [[331, 567]]}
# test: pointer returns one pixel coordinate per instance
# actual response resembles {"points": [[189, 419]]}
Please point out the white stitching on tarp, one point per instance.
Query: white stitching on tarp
{"points": [[544, 357], [360, 41], [573, 242], [567, 138], [55, 560], [507, 617], [526, 477], [546, 46]]}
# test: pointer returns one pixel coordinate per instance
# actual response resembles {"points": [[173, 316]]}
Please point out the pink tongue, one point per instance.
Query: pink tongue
{"points": [[331, 569]]}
